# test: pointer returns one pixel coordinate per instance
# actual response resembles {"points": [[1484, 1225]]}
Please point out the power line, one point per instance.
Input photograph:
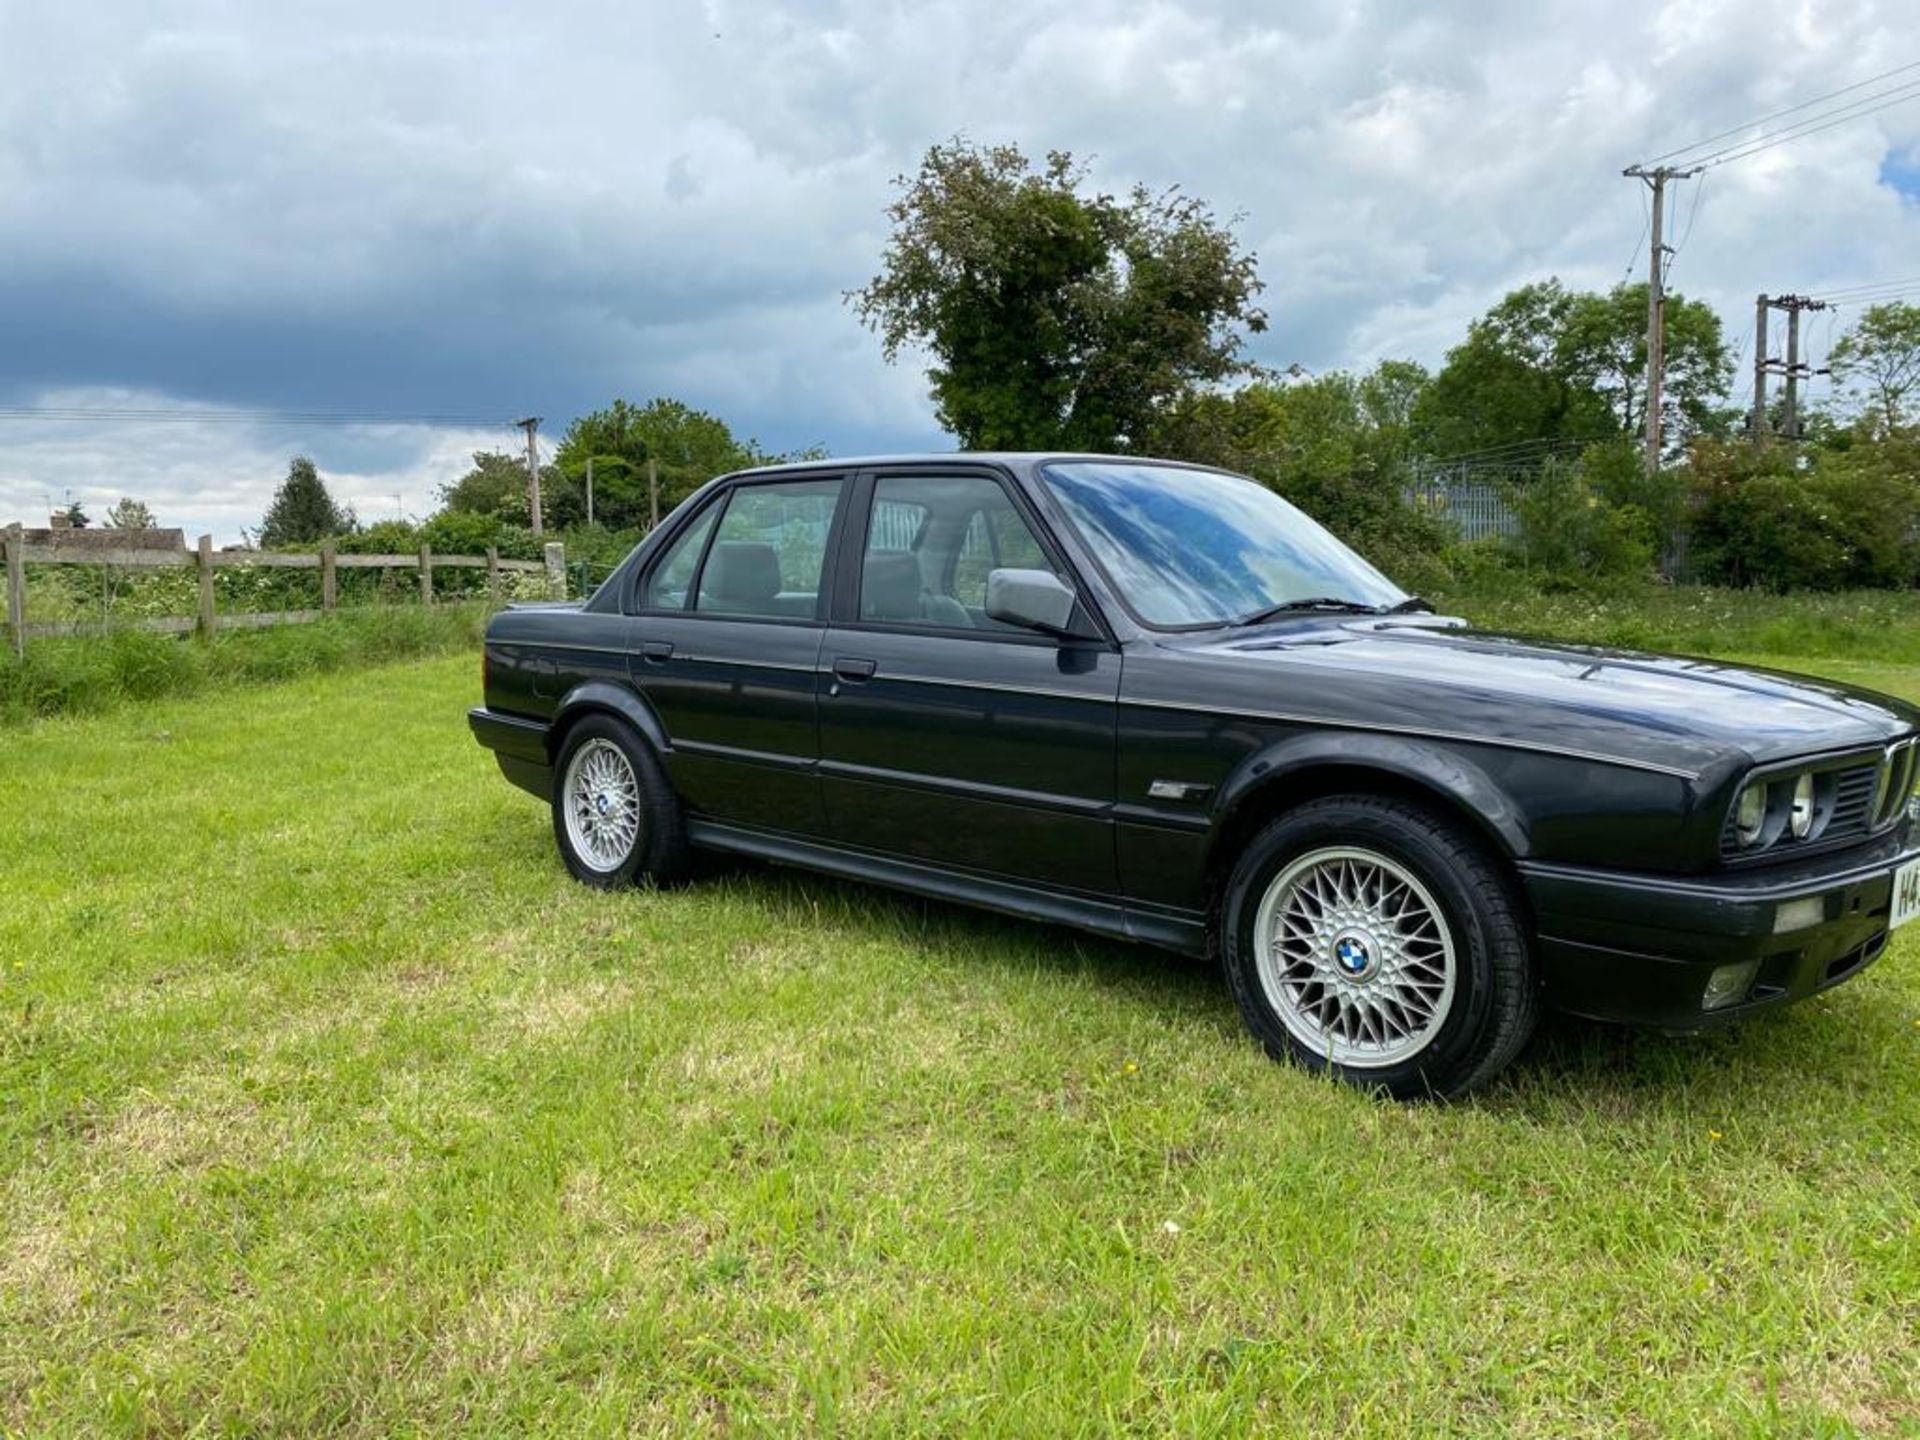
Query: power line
{"points": [[1646, 222], [1515, 452], [129, 415], [1693, 213], [1814, 126], [1866, 294], [1790, 110]]}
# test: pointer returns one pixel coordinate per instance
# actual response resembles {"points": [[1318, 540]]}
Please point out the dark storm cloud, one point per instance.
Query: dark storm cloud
{"points": [[422, 207]]}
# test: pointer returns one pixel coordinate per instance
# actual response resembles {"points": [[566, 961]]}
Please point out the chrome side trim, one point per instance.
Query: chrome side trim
{"points": [[966, 789], [736, 660], [612, 652], [1325, 722], [1102, 697], [738, 755]]}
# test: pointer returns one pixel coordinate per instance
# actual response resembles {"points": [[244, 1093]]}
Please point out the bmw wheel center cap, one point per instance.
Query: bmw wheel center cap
{"points": [[1354, 953]]}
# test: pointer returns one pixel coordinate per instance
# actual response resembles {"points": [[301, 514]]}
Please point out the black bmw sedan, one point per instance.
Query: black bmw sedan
{"points": [[1156, 701]]}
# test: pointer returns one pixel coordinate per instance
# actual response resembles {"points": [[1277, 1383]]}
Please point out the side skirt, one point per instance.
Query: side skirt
{"points": [[1185, 933]]}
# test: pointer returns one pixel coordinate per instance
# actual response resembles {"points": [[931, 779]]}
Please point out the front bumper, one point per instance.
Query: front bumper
{"points": [[1641, 949]]}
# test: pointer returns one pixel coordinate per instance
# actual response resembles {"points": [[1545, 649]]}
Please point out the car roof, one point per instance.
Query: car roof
{"points": [[1012, 459]]}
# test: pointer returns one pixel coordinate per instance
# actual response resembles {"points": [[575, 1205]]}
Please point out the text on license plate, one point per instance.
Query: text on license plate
{"points": [[1906, 893]]}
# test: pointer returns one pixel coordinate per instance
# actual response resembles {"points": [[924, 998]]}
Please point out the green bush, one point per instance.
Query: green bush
{"points": [[1849, 520], [1570, 532]]}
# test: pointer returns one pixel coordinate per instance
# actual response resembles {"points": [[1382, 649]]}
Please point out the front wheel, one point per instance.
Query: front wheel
{"points": [[615, 817], [1371, 939]]}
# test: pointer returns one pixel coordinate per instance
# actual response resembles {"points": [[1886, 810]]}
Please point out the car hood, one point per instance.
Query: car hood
{"points": [[1439, 674]]}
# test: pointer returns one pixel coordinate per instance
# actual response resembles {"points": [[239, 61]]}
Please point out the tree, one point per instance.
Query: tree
{"points": [[1504, 387], [1336, 445], [688, 447], [1603, 344], [1056, 319], [76, 515], [1879, 361], [496, 486], [1551, 365], [302, 512], [130, 514]]}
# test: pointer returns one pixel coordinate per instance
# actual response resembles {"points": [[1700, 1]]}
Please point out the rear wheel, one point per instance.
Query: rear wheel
{"points": [[1371, 939], [615, 817]]}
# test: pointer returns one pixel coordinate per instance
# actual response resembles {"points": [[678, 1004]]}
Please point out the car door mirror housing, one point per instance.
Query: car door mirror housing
{"points": [[1031, 599]]}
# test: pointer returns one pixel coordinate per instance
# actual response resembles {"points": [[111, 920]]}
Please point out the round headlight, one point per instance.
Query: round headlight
{"points": [[1750, 815], [1800, 817]]}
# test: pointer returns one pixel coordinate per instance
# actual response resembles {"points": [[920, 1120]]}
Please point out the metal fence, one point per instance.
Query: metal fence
{"points": [[1476, 509]]}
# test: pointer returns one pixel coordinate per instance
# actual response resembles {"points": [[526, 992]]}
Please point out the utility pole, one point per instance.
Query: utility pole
{"points": [[1790, 413], [1657, 250], [531, 424], [589, 489], [1792, 369], [653, 493]]}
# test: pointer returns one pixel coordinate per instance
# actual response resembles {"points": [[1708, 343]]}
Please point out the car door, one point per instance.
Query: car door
{"points": [[727, 631], [945, 735]]}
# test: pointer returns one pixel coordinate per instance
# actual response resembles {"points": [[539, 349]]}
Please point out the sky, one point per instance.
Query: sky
{"points": [[481, 211]]}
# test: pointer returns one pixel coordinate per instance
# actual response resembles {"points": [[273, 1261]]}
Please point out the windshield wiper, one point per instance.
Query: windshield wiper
{"points": [[1332, 604], [1412, 605]]}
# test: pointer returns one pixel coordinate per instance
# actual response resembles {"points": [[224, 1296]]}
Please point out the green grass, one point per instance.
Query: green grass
{"points": [[329, 1104], [1875, 625], [82, 675]]}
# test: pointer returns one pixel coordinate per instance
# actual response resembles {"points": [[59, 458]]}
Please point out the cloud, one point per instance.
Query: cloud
{"points": [[420, 207]]}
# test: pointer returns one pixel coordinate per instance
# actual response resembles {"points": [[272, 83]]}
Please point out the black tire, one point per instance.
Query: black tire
{"points": [[657, 852], [1466, 1037]]}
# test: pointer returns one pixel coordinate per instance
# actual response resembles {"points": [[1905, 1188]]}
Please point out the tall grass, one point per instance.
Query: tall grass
{"points": [[1877, 625], [85, 675]]}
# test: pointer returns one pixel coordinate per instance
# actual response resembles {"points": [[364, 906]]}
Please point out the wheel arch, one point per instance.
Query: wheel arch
{"points": [[600, 697], [1311, 767]]}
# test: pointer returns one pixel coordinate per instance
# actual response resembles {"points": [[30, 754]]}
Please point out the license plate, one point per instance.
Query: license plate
{"points": [[1906, 892]]}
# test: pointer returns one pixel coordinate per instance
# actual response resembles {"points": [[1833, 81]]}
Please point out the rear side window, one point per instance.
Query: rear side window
{"points": [[672, 578], [769, 551]]}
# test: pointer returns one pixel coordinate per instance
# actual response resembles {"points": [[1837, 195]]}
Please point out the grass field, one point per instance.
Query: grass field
{"points": [[328, 1104]]}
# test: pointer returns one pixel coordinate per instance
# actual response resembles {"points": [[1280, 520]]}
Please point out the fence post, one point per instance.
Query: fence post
{"points": [[426, 574], [17, 588], [329, 579], [493, 576], [206, 586], [556, 570]]}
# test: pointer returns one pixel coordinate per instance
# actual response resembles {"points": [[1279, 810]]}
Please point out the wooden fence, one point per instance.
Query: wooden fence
{"points": [[126, 549]]}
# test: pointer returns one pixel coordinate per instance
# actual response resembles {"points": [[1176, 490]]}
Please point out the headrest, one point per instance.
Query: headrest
{"points": [[742, 572], [890, 586]]}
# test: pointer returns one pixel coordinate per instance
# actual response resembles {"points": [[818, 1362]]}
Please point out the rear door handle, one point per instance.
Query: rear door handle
{"points": [[657, 650], [854, 671]]}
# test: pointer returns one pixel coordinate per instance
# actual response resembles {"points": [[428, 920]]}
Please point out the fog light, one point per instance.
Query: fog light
{"points": [[1799, 914], [1729, 984]]}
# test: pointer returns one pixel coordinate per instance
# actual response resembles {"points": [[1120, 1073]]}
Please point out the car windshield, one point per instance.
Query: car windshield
{"points": [[1190, 548]]}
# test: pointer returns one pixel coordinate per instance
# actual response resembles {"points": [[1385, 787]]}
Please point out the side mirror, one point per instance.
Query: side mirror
{"points": [[1031, 599]]}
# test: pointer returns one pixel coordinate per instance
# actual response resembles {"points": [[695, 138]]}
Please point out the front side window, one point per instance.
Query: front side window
{"points": [[931, 541], [1188, 548], [769, 551]]}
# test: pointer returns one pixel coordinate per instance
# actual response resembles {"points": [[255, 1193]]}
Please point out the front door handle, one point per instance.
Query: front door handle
{"points": [[657, 651], [854, 671]]}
